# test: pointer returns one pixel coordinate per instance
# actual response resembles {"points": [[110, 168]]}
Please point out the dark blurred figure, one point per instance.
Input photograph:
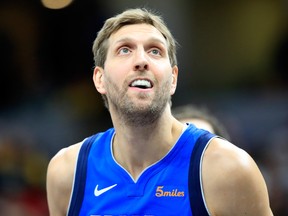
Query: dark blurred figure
{"points": [[274, 161], [281, 59], [202, 118], [11, 86], [22, 177]]}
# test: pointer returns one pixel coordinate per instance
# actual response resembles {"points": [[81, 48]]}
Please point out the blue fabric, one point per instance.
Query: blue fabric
{"points": [[162, 189], [81, 173], [196, 198]]}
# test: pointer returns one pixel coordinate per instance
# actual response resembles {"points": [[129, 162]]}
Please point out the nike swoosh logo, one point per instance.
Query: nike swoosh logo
{"points": [[99, 192]]}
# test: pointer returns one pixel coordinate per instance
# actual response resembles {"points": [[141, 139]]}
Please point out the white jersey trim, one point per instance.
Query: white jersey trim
{"points": [[200, 174], [74, 178]]}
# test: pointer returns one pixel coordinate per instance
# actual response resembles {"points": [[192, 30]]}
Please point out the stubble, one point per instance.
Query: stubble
{"points": [[142, 113]]}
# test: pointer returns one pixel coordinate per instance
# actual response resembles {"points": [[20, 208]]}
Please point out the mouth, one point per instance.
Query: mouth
{"points": [[141, 83]]}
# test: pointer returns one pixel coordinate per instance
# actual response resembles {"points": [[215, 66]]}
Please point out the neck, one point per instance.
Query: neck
{"points": [[136, 148]]}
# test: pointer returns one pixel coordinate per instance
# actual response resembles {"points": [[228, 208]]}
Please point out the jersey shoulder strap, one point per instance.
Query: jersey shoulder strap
{"points": [[80, 177], [195, 185], [197, 202]]}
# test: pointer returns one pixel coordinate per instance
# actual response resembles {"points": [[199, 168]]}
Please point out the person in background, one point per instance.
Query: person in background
{"points": [[202, 118], [149, 163]]}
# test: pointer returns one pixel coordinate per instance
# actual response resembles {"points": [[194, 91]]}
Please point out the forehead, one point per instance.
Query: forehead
{"points": [[137, 32]]}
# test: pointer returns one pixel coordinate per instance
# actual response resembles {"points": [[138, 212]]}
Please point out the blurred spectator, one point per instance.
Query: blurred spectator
{"points": [[22, 177], [202, 118], [274, 167]]}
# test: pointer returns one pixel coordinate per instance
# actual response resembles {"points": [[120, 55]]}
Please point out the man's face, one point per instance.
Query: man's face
{"points": [[137, 75]]}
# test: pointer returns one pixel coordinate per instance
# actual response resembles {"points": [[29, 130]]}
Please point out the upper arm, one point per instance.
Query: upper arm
{"points": [[60, 174], [233, 184]]}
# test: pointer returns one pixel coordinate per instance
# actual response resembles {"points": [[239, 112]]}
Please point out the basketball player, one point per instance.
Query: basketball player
{"points": [[149, 163]]}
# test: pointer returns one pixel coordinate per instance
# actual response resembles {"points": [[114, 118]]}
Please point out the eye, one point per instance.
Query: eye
{"points": [[155, 52], [124, 50]]}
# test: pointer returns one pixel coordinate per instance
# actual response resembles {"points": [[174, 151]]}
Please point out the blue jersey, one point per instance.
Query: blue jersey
{"points": [[170, 187]]}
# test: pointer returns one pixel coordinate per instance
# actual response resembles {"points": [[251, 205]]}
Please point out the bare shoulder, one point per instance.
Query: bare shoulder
{"points": [[232, 181], [60, 175], [64, 163]]}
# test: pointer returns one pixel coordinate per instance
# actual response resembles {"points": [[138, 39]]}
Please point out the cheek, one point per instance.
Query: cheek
{"points": [[115, 71], [166, 84], [166, 74], [111, 83]]}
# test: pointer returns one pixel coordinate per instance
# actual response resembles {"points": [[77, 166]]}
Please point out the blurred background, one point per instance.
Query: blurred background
{"points": [[233, 59]]}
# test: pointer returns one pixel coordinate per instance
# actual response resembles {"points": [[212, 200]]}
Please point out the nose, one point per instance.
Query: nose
{"points": [[141, 62]]}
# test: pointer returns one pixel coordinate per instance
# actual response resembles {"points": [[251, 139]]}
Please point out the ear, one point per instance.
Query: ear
{"points": [[98, 79], [174, 79]]}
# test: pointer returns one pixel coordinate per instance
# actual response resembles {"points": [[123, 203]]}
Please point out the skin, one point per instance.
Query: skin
{"points": [[233, 185]]}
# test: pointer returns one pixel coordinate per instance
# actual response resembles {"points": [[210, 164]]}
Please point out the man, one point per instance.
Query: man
{"points": [[142, 165], [202, 118]]}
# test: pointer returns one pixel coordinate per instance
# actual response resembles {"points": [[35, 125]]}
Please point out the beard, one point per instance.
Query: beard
{"points": [[142, 113]]}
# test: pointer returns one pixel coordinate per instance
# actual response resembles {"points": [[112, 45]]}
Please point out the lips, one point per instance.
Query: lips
{"points": [[141, 83]]}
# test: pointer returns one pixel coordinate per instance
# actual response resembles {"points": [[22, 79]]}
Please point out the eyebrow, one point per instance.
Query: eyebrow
{"points": [[152, 39]]}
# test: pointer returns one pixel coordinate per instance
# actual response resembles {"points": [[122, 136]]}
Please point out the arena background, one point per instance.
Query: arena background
{"points": [[233, 59]]}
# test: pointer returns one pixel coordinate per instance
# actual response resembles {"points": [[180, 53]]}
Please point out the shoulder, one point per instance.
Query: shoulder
{"points": [[233, 183], [64, 160], [60, 175]]}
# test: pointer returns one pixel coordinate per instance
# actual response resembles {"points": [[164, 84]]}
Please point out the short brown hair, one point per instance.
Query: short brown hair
{"points": [[129, 17], [190, 111]]}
